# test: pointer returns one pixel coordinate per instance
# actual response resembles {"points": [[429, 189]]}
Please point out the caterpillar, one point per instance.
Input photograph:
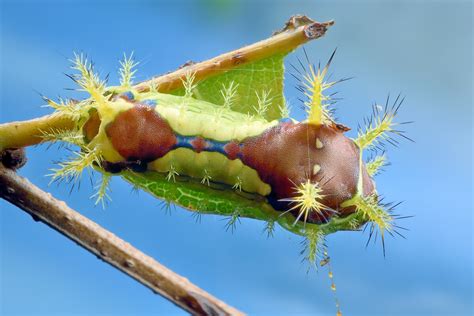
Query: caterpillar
{"points": [[232, 158]]}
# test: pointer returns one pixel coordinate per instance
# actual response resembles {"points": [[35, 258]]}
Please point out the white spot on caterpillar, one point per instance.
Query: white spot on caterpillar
{"points": [[316, 169], [319, 143]]}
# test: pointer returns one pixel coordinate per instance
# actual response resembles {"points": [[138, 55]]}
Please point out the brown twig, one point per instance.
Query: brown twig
{"points": [[297, 31], [105, 245]]}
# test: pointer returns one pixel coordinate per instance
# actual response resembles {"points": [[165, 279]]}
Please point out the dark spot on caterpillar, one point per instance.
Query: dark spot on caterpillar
{"points": [[140, 134], [91, 127], [116, 167], [289, 154]]}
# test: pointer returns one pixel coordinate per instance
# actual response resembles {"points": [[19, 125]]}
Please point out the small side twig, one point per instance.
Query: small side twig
{"points": [[108, 247]]}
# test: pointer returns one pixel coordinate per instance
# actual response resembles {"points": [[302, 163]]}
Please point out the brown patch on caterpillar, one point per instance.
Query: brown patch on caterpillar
{"points": [[140, 134], [287, 155], [91, 127], [232, 150], [199, 144]]}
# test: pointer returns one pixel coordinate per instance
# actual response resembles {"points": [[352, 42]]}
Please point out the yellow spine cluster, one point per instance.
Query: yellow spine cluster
{"points": [[373, 166], [376, 131], [307, 199], [318, 102]]}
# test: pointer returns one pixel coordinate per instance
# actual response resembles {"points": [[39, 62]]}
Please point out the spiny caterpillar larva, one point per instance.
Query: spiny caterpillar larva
{"points": [[226, 159]]}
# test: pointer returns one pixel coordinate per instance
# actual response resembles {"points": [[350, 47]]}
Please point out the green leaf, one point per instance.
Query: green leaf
{"points": [[222, 200], [265, 75]]}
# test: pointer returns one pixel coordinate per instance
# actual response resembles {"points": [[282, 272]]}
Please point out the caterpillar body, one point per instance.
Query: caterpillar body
{"points": [[168, 133], [215, 158]]}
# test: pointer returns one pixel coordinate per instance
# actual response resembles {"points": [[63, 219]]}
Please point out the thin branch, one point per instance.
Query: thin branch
{"points": [[105, 245], [297, 31], [30, 132]]}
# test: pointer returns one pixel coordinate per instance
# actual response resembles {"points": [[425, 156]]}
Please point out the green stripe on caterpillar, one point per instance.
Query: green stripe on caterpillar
{"points": [[231, 159]]}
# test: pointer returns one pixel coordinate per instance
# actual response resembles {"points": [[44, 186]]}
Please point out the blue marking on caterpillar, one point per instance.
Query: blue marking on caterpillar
{"points": [[149, 102], [216, 146], [286, 120], [184, 141], [128, 94], [199, 144]]}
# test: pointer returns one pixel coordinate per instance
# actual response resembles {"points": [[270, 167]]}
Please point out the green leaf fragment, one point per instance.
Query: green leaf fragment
{"points": [[250, 81], [223, 200]]}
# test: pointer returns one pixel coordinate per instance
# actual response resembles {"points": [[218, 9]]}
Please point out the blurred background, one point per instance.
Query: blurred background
{"points": [[422, 49]]}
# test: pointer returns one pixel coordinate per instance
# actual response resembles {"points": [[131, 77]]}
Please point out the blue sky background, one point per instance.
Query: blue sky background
{"points": [[422, 49]]}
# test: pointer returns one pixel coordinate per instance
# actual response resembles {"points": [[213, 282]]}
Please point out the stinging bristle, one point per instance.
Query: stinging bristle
{"points": [[313, 86], [72, 169], [232, 221], [269, 228], [189, 83], [307, 199], [285, 109], [229, 94], [101, 196], [375, 165], [238, 184], [88, 80], [67, 107], [127, 70], [380, 125], [374, 212], [206, 178], [172, 173], [264, 100], [54, 135], [313, 247]]}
